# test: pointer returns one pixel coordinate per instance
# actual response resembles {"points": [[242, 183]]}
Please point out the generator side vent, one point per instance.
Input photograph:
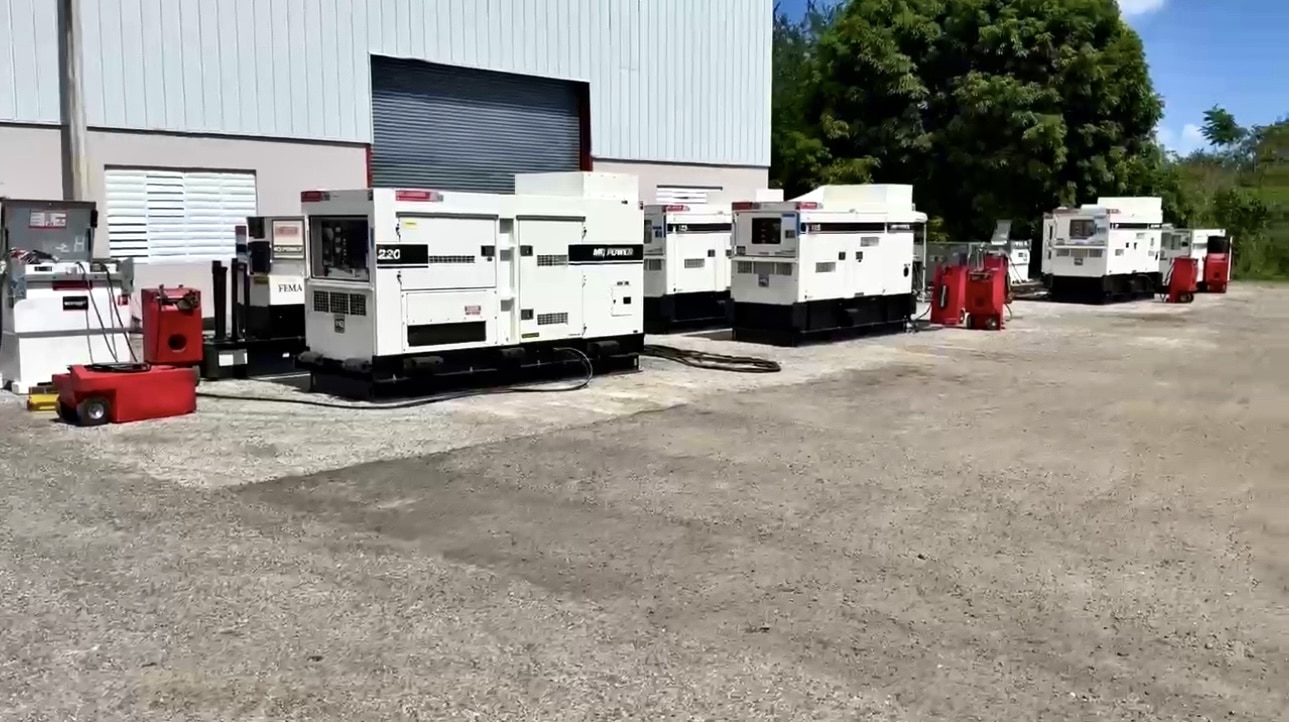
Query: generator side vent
{"points": [[695, 262], [349, 304], [552, 319], [451, 259], [552, 260], [764, 268], [825, 267], [653, 264]]}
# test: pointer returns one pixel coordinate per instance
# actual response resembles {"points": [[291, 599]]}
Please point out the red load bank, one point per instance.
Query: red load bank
{"points": [[949, 295], [986, 298], [1183, 280]]}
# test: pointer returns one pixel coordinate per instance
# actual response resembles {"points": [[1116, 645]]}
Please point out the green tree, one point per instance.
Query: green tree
{"points": [[992, 108], [1220, 128], [797, 154]]}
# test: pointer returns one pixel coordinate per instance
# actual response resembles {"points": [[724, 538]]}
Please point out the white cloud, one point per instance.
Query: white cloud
{"points": [[1189, 138], [1136, 8]]}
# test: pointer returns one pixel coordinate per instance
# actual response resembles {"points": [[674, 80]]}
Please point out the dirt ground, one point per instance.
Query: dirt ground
{"points": [[1083, 517]]}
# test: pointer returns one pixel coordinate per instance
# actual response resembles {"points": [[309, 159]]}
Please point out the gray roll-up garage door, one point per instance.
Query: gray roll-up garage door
{"points": [[437, 126]]}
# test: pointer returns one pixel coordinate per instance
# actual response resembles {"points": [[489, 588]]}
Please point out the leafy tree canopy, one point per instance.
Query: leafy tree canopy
{"points": [[992, 108]]}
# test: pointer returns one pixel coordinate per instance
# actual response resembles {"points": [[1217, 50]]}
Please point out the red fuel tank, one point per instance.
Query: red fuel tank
{"points": [[949, 295], [171, 326]]}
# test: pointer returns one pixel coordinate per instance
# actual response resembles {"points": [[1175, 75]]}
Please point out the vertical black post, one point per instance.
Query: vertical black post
{"points": [[219, 298], [235, 273]]}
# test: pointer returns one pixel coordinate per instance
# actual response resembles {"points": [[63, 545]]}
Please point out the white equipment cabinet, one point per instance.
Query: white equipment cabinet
{"points": [[835, 262], [275, 296], [1107, 251], [411, 285], [59, 314], [687, 266], [1185, 242]]}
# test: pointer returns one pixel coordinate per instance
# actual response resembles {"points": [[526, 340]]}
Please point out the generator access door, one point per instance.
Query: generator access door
{"points": [[550, 291], [443, 252], [700, 252]]}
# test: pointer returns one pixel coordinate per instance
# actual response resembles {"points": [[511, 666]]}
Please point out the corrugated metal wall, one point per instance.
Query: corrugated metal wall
{"points": [[29, 61], [671, 80], [439, 126]]}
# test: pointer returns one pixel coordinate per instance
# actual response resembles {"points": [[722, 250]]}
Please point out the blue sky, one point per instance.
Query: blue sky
{"points": [[1204, 53]]}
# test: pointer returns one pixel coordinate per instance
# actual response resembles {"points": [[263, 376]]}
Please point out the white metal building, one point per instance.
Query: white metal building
{"points": [[202, 112]]}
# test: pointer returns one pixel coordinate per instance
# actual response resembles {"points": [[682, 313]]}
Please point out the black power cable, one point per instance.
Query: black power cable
{"points": [[712, 361]]}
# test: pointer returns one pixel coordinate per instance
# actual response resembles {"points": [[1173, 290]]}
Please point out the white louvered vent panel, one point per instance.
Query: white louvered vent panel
{"points": [[167, 218], [125, 194], [165, 214]]}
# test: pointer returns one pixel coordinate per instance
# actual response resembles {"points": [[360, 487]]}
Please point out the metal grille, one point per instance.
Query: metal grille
{"points": [[437, 126], [506, 255], [552, 260], [825, 267], [451, 259], [1080, 253], [349, 304], [695, 262], [868, 241], [764, 268], [1096, 252], [653, 264], [551, 319], [1062, 251]]}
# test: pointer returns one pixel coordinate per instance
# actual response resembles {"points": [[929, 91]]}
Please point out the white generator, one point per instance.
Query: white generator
{"points": [[1107, 251], [275, 295], [687, 262], [413, 285], [835, 262], [1185, 242]]}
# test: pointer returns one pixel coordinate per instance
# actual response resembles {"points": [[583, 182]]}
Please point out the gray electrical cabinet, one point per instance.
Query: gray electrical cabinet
{"points": [[63, 230]]}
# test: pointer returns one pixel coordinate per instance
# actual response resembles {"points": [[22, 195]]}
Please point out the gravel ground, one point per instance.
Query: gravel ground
{"points": [[1083, 517]]}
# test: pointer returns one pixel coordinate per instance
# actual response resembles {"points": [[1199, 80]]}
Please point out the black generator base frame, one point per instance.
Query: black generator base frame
{"points": [[821, 321], [1118, 288], [697, 311], [421, 375], [250, 358]]}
